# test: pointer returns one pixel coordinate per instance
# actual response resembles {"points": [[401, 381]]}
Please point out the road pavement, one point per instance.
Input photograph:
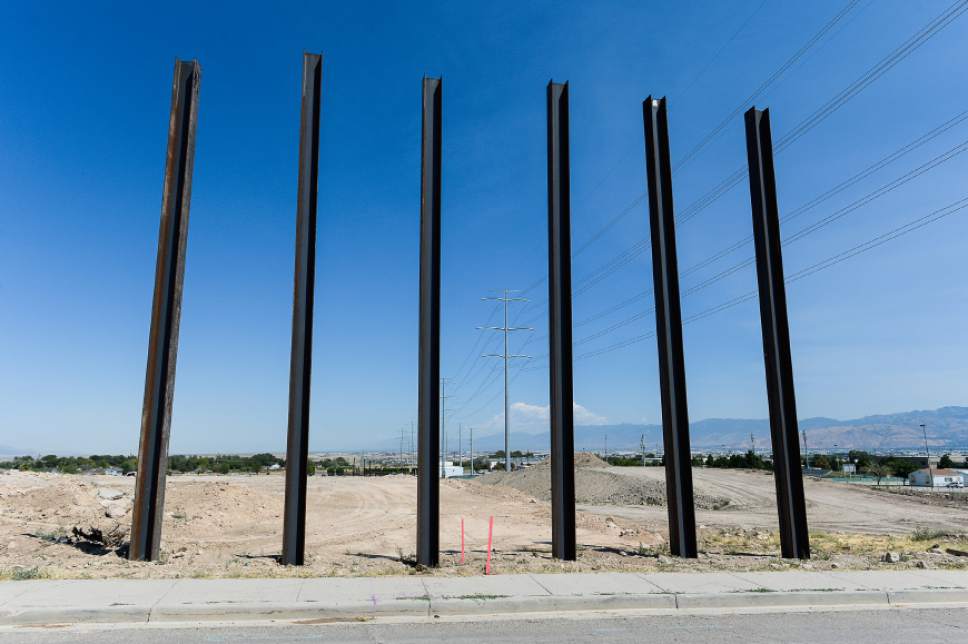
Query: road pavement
{"points": [[857, 627], [120, 601]]}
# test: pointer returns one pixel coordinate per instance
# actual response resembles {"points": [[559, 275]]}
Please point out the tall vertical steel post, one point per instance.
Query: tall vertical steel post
{"points": [[668, 331], [149, 501], [794, 538], [428, 419], [301, 356], [559, 327]]}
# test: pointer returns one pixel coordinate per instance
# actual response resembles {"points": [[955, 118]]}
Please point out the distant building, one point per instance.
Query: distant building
{"points": [[932, 477], [449, 470], [849, 468]]}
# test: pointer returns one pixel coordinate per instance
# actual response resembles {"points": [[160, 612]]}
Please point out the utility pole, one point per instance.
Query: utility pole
{"points": [[642, 448], [506, 356], [401, 445], [927, 453], [460, 451], [606, 447], [472, 451], [413, 445], [753, 443], [443, 425], [806, 450]]}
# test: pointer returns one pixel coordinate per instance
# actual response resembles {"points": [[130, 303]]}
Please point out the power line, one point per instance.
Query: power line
{"points": [[732, 114], [480, 336], [865, 80], [722, 48], [840, 213], [695, 208], [926, 33], [818, 225], [772, 78], [847, 183], [487, 403], [826, 195], [904, 50], [833, 260], [614, 308]]}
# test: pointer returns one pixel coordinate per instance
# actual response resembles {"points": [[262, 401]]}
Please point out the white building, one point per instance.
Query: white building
{"points": [[935, 477], [448, 470]]}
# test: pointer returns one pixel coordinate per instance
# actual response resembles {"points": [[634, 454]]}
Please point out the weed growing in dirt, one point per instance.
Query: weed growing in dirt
{"points": [[23, 574], [926, 534], [51, 536]]}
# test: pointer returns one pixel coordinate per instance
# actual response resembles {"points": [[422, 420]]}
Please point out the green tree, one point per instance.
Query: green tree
{"points": [[821, 461], [880, 470]]}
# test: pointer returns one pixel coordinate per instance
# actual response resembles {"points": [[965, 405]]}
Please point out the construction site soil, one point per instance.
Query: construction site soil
{"points": [[59, 526]]}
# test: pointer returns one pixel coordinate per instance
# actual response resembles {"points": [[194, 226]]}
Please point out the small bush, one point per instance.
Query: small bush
{"points": [[927, 534], [23, 574]]}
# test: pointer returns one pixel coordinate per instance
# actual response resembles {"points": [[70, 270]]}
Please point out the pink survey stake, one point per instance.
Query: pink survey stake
{"points": [[490, 543]]}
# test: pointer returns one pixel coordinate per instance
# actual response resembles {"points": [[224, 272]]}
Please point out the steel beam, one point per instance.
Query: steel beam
{"points": [[428, 404], [668, 332], [794, 539], [149, 493], [559, 327], [301, 356]]}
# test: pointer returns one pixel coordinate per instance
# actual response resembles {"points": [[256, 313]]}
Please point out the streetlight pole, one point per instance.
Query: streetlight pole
{"points": [[927, 453]]}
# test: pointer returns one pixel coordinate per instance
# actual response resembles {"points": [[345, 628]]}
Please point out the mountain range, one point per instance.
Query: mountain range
{"points": [[947, 429]]}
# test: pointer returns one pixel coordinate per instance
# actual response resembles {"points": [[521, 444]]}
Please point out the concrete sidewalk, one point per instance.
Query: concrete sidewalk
{"points": [[228, 600]]}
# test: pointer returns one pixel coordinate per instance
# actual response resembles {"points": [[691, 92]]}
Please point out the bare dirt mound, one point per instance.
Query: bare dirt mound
{"points": [[596, 483]]}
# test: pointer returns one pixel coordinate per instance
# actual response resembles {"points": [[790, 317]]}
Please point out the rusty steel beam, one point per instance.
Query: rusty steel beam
{"points": [[149, 496], [301, 357], [563, 541], [428, 377], [791, 507], [668, 331]]}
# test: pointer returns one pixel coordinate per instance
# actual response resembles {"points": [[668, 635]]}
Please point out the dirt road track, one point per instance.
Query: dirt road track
{"points": [[831, 507]]}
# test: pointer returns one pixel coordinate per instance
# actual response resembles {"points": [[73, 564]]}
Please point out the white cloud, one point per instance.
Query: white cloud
{"points": [[529, 417], [584, 416]]}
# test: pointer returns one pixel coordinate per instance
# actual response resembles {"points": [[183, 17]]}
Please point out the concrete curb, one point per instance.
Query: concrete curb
{"points": [[668, 603], [127, 601]]}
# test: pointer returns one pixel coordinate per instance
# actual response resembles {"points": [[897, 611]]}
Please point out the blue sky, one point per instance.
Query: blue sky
{"points": [[84, 100]]}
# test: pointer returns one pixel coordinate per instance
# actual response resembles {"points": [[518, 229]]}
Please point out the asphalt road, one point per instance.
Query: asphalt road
{"points": [[871, 627]]}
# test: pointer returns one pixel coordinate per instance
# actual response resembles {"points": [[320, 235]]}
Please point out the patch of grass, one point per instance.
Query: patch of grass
{"points": [[51, 536], [926, 534], [23, 574]]}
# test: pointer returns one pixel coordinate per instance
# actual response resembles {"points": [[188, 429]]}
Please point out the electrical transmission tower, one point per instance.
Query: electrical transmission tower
{"points": [[506, 357]]}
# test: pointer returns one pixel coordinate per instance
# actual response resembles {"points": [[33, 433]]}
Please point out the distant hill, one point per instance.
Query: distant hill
{"points": [[7, 452], [947, 429]]}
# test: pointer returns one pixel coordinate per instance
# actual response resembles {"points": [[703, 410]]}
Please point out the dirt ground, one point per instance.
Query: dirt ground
{"points": [[231, 526]]}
